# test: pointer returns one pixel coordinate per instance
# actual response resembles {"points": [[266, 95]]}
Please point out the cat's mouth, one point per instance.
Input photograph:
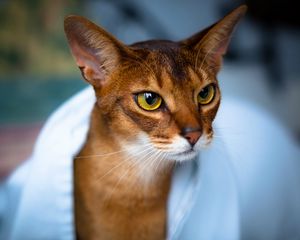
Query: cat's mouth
{"points": [[183, 151]]}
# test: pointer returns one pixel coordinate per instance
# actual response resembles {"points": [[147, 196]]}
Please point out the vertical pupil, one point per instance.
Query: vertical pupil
{"points": [[150, 98], [204, 92]]}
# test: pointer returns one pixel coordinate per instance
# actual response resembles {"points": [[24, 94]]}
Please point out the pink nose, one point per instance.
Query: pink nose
{"points": [[192, 135]]}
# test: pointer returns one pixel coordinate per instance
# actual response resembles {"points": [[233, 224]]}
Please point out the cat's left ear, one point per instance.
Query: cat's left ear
{"points": [[212, 42]]}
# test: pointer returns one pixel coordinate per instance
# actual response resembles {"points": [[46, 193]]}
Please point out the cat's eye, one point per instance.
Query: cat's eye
{"points": [[149, 101], [206, 95]]}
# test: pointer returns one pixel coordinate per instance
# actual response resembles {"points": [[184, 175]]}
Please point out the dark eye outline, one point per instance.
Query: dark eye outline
{"points": [[160, 105], [211, 99]]}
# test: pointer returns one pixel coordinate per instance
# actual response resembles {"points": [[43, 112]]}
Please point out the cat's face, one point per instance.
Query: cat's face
{"points": [[157, 97], [160, 96]]}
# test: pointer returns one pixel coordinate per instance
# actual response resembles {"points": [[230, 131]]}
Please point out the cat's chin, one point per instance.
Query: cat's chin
{"points": [[183, 156]]}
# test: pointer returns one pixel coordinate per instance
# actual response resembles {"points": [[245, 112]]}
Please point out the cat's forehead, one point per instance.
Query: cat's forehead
{"points": [[169, 62], [156, 45]]}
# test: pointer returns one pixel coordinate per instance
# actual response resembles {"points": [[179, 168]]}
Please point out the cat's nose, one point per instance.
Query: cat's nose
{"points": [[191, 134]]}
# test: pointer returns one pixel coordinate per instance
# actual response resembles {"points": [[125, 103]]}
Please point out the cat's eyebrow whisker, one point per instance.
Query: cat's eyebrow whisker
{"points": [[143, 64], [210, 67]]}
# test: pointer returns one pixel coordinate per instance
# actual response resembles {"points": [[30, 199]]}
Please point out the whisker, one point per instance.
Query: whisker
{"points": [[142, 63], [100, 155], [160, 159], [152, 159], [107, 154], [123, 162], [125, 173]]}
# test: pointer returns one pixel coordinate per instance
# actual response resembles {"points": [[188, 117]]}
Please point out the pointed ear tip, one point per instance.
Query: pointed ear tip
{"points": [[74, 22], [236, 14], [241, 10], [68, 20], [73, 18]]}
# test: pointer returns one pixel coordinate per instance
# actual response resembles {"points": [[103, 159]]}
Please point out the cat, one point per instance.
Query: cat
{"points": [[156, 101]]}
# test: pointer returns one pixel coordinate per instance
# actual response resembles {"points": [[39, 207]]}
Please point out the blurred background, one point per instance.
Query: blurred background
{"points": [[37, 72]]}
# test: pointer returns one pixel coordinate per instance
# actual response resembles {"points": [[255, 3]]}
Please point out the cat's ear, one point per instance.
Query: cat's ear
{"points": [[97, 53], [212, 42]]}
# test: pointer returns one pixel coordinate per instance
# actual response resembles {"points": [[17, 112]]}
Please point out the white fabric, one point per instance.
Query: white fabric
{"points": [[245, 186]]}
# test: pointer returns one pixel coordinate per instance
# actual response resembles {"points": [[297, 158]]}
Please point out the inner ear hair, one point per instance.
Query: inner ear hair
{"points": [[96, 52], [212, 42]]}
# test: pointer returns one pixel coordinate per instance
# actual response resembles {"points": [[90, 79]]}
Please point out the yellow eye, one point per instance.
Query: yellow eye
{"points": [[149, 101], [206, 95]]}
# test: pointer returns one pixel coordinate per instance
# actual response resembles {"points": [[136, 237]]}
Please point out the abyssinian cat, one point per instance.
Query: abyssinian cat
{"points": [[156, 101]]}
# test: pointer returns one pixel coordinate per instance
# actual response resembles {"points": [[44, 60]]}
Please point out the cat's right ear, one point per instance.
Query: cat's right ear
{"points": [[97, 53], [212, 42]]}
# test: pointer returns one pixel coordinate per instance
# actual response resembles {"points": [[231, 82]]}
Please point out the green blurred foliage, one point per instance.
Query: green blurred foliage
{"points": [[32, 40]]}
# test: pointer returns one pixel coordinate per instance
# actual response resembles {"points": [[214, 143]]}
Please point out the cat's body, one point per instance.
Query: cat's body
{"points": [[156, 102]]}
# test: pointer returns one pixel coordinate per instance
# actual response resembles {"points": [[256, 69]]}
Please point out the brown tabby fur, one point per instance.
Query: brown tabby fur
{"points": [[122, 196]]}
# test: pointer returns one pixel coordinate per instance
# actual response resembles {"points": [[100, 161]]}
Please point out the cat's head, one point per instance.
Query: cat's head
{"points": [[157, 95]]}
